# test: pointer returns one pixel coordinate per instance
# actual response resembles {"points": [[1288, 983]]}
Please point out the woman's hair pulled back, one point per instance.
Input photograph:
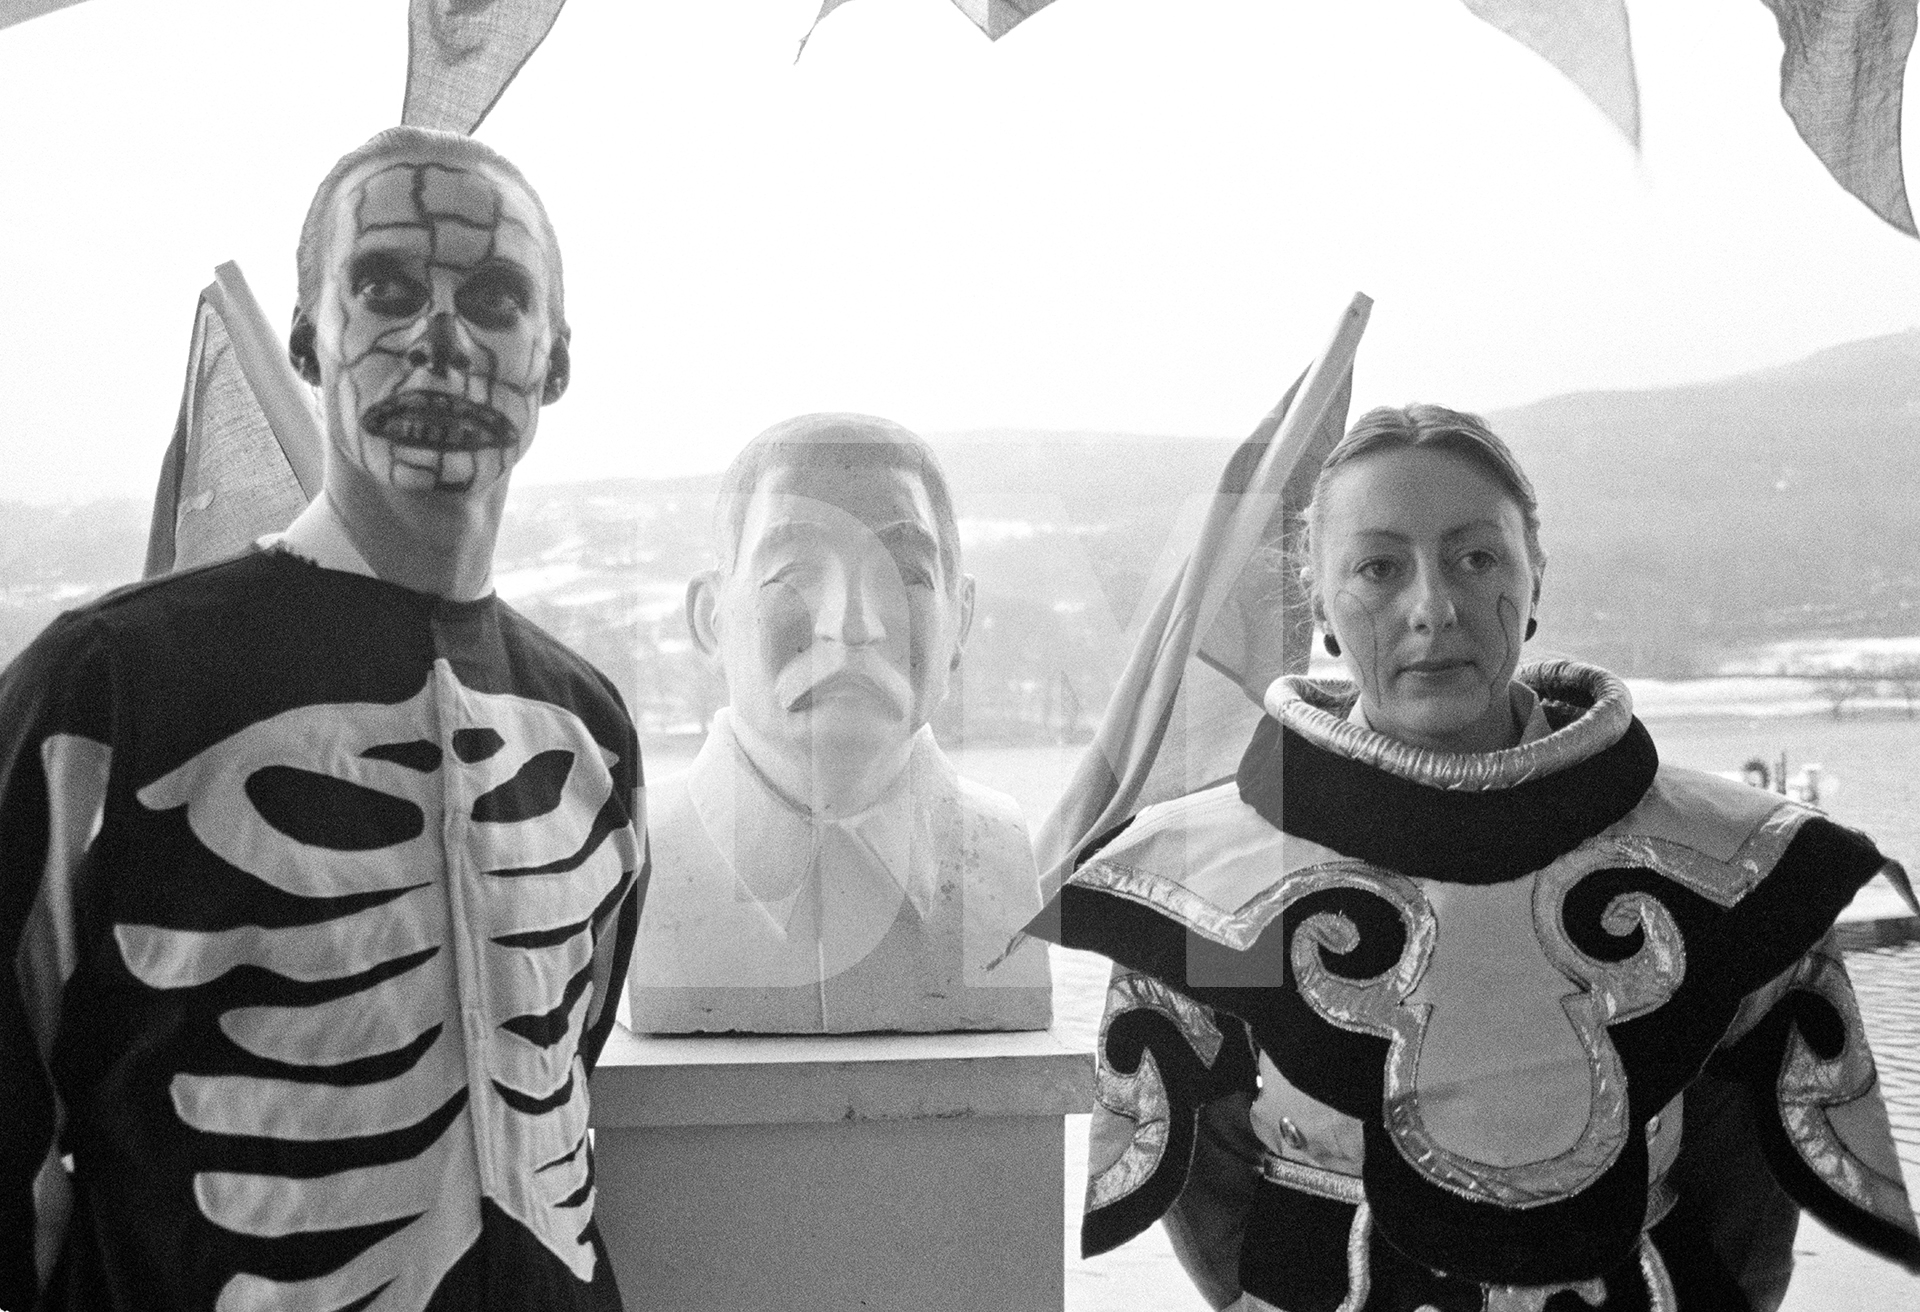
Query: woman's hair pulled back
{"points": [[1432, 428]]}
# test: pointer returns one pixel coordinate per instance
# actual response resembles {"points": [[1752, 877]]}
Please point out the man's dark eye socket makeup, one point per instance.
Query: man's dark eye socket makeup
{"points": [[386, 286], [495, 296]]}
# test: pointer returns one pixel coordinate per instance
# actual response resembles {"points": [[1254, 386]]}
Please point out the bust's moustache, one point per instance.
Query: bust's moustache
{"points": [[820, 677]]}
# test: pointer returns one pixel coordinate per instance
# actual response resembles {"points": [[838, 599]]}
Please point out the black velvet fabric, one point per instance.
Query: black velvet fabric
{"points": [[1433, 833]]}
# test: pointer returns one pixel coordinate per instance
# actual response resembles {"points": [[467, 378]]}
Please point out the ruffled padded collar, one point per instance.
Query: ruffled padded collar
{"points": [[1467, 817], [1318, 713]]}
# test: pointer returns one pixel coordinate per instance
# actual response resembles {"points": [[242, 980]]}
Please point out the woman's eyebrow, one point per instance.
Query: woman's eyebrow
{"points": [[1472, 525]]}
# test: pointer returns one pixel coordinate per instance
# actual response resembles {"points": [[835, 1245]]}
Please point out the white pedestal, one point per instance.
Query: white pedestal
{"points": [[898, 1171]]}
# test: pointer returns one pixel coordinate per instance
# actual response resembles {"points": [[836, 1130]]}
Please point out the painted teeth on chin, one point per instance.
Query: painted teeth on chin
{"points": [[443, 431], [438, 421]]}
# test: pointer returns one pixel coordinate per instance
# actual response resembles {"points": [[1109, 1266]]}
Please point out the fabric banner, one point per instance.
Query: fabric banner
{"points": [[461, 54], [245, 455], [1840, 81], [1587, 40], [1234, 619], [998, 17], [994, 17], [19, 11]]}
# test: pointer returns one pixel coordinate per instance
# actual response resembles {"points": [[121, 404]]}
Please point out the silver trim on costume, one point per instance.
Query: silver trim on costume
{"points": [[1142, 1096], [1661, 1295], [1315, 1180], [1723, 883], [1317, 712], [1533, 1298], [1808, 1087], [1172, 899], [1131, 991], [1610, 992]]}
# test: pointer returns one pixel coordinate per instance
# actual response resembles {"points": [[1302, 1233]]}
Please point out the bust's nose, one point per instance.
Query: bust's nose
{"points": [[850, 607]]}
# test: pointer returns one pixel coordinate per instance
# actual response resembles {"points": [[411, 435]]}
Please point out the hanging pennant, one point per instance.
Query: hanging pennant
{"points": [[461, 54], [1840, 82], [19, 11], [1587, 40], [994, 17]]}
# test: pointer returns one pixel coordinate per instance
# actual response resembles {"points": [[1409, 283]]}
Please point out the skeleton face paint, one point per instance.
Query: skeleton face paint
{"points": [[433, 329], [1425, 578]]}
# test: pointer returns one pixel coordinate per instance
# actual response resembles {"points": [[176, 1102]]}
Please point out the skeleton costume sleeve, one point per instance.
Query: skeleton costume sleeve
{"points": [[1555, 1027], [314, 891]]}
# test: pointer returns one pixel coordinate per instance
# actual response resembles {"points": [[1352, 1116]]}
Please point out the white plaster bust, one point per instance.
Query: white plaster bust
{"points": [[821, 868]]}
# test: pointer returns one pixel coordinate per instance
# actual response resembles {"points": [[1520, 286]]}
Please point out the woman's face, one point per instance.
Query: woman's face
{"points": [[1422, 573]]}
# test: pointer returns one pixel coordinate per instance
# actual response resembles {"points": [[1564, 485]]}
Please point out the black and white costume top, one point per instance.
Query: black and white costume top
{"points": [[1463, 1008], [315, 893]]}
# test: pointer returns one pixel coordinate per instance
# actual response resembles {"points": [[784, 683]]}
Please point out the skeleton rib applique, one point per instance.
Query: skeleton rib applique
{"points": [[342, 946]]}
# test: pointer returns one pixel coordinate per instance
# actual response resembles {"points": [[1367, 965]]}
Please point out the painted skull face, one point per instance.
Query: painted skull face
{"points": [[434, 330]]}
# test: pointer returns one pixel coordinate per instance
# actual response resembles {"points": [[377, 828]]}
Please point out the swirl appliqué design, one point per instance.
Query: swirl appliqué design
{"points": [[1815, 1090], [1141, 1098], [1604, 992]]}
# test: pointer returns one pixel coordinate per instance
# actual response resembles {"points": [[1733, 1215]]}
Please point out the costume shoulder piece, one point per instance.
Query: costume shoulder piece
{"points": [[1497, 969]]}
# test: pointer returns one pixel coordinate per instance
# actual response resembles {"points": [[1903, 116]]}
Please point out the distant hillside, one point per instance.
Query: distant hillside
{"points": [[1685, 526], [1688, 523]]}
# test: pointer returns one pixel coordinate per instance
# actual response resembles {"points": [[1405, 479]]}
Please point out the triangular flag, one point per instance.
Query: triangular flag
{"points": [[1587, 40], [461, 54], [998, 17], [246, 450], [19, 11], [1234, 619], [1840, 81], [994, 17]]}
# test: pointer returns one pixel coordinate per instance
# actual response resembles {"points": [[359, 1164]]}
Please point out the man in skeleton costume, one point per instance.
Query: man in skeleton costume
{"points": [[822, 868], [318, 866], [1399, 1025]]}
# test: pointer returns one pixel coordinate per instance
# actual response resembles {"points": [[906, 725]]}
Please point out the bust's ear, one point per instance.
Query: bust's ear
{"points": [[559, 368], [703, 607], [965, 626], [300, 350]]}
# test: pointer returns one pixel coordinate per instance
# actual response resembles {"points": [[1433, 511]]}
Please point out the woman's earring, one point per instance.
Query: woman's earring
{"points": [[1532, 625], [1332, 644]]}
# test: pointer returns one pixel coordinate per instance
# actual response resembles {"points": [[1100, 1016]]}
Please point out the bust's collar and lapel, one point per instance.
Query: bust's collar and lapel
{"points": [[770, 844]]}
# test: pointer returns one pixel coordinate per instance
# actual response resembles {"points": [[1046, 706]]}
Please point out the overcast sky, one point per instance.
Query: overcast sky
{"points": [[1127, 215]]}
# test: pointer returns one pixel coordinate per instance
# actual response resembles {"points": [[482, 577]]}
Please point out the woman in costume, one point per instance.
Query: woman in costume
{"points": [[1455, 998]]}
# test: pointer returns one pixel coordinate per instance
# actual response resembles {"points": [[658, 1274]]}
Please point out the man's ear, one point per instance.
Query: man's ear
{"points": [[300, 350], [703, 607], [559, 368], [965, 626]]}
